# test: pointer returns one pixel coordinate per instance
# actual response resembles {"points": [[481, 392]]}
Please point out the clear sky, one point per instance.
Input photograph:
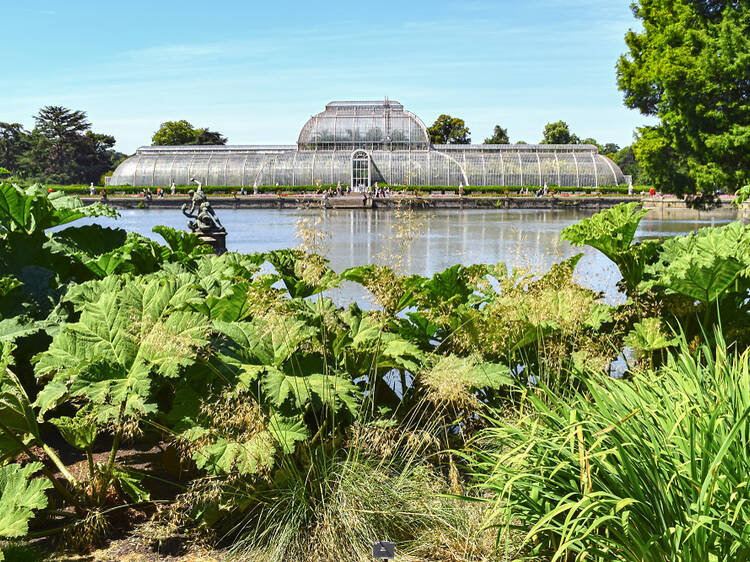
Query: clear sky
{"points": [[256, 71]]}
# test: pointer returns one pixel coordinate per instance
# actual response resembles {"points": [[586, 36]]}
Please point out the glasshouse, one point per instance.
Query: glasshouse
{"points": [[359, 143]]}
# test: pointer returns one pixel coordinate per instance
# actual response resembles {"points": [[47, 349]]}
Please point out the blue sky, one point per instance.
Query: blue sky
{"points": [[256, 71]]}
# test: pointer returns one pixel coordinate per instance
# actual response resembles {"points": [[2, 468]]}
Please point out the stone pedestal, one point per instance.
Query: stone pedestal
{"points": [[217, 239]]}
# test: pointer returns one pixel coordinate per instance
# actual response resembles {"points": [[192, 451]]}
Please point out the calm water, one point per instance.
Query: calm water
{"points": [[528, 238]]}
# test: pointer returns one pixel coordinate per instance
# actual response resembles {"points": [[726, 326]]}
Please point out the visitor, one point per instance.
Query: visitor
{"points": [[173, 189], [546, 190], [242, 190], [160, 193], [103, 193], [630, 188], [652, 191], [460, 189]]}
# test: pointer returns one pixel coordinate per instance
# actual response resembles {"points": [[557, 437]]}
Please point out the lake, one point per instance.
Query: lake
{"points": [[422, 242]]}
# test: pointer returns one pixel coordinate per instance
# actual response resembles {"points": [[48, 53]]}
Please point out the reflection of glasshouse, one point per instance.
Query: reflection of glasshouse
{"points": [[359, 143]]}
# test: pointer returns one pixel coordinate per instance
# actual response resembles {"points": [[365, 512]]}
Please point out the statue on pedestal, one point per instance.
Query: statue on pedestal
{"points": [[206, 224]]}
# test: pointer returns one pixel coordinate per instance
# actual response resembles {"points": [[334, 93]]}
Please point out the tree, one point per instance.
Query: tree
{"points": [[173, 133], [449, 130], [62, 130], [500, 136], [689, 67], [95, 156], [206, 136], [625, 159], [593, 141], [13, 143], [610, 148], [60, 149], [559, 133]]}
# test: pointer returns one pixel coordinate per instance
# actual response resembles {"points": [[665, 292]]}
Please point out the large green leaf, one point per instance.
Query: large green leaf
{"points": [[78, 431], [647, 335], [16, 327], [87, 241], [17, 418], [314, 389], [703, 265], [183, 243], [247, 457], [34, 209], [131, 483], [20, 496], [611, 232], [287, 432], [265, 341], [303, 274], [120, 342]]}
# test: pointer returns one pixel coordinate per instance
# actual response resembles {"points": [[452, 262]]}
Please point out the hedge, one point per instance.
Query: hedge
{"points": [[421, 189]]}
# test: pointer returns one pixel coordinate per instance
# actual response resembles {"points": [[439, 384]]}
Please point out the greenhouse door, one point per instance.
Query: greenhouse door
{"points": [[360, 170]]}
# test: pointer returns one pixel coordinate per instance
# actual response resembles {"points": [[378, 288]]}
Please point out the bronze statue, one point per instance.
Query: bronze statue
{"points": [[206, 221]]}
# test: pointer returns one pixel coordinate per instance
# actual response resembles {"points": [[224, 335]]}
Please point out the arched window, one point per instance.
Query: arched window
{"points": [[360, 169]]}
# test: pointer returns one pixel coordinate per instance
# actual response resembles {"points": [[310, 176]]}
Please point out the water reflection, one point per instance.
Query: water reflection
{"points": [[528, 238]]}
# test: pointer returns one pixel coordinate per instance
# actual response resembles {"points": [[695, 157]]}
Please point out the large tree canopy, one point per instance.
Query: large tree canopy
{"points": [[449, 130], [181, 132], [690, 67]]}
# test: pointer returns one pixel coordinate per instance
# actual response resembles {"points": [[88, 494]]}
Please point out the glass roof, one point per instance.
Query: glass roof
{"points": [[373, 125]]}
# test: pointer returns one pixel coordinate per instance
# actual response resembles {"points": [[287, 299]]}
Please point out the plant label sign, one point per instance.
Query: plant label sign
{"points": [[383, 550]]}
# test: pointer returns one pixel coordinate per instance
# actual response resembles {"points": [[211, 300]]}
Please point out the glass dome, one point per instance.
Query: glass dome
{"points": [[374, 125]]}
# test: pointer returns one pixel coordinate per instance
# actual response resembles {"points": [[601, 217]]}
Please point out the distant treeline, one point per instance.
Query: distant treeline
{"points": [[61, 148]]}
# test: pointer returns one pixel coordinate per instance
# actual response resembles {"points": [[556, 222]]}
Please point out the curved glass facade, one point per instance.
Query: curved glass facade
{"points": [[396, 143], [346, 125]]}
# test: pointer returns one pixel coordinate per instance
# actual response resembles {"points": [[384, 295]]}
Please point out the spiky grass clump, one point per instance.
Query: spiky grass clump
{"points": [[653, 468], [338, 509]]}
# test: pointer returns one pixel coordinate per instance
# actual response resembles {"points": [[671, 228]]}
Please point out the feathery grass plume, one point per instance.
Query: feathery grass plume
{"points": [[653, 468], [311, 235], [407, 225]]}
